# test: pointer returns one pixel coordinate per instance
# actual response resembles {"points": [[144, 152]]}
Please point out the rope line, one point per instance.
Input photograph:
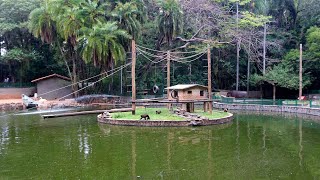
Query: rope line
{"points": [[150, 49], [79, 81], [183, 58], [196, 58], [152, 55], [155, 62], [95, 81], [175, 52], [189, 52]]}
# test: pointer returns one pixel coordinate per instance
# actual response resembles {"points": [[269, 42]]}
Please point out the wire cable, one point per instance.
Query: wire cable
{"points": [[196, 58], [76, 82], [188, 52], [95, 82], [150, 49], [155, 62], [183, 58], [152, 55]]}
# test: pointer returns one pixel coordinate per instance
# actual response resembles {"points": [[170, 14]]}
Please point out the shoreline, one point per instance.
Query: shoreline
{"points": [[17, 104]]}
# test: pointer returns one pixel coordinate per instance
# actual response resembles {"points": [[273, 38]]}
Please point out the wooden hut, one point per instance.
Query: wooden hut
{"points": [[188, 94], [53, 82]]}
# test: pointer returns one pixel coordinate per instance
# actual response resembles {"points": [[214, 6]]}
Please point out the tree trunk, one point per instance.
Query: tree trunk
{"points": [[74, 75], [248, 70], [264, 42], [65, 61]]}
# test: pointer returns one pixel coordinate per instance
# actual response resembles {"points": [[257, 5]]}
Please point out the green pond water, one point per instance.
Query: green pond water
{"points": [[252, 147]]}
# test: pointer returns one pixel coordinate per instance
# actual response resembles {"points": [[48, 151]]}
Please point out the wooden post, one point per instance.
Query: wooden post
{"points": [[209, 80], [274, 93], [133, 76], [300, 73], [168, 77], [121, 90], [238, 48]]}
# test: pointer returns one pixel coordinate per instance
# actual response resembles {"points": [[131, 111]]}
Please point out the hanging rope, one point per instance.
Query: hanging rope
{"points": [[181, 60], [121, 67], [187, 52], [150, 49], [151, 55], [155, 62], [81, 81]]}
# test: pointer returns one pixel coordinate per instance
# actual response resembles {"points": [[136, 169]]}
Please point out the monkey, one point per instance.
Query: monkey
{"points": [[225, 109], [158, 112], [145, 117]]}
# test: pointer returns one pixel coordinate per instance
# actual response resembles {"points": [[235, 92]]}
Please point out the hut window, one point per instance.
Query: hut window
{"points": [[189, 92], [175, 93], [201, 93]]}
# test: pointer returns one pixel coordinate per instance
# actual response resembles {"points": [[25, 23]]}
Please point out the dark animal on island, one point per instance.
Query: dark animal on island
{"points": [[158, 112], [145, 117], [225, 109]]}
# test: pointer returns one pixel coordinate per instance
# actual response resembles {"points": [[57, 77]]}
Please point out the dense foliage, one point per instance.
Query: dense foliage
{"points": [[82, 38]]}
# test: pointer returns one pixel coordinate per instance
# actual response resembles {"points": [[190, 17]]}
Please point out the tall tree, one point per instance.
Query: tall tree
{"points": [[129, 17], [169, 21], [101, 45]]}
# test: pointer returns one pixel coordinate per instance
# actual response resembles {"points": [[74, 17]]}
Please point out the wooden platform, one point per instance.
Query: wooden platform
{"points": [[170, 101], [85, 113]]}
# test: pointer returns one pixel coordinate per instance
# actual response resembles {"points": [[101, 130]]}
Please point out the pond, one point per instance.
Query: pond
{"points": [[252, 147]]}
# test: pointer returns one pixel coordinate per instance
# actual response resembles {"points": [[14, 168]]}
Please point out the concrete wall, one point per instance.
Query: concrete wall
{"points": [[54, 83], [269, 108], [183, 94], [15, 93]]}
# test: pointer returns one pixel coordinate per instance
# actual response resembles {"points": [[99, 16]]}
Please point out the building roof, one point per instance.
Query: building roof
{"points": [[51, 76], [185, 86]]}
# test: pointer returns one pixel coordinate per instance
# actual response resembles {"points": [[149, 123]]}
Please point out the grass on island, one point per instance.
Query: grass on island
{"points": [[165, 114], [215, 114]]}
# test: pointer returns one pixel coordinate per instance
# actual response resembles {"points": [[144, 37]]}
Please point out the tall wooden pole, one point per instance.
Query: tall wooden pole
{"points": [[300, 73], [274, 93], [209, 80], [121, 85], [238, 49], [168, 77], [133, 74]]}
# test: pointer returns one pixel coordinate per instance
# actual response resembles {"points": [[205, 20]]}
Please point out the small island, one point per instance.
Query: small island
{"points": [[165, 117]]}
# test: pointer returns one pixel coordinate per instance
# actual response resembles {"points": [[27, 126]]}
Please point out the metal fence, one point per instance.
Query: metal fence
{"points": [[278, 102]]}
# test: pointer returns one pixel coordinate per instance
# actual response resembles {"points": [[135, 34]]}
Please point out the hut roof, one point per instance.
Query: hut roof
{"points": [[51, 76], [186, 86]]}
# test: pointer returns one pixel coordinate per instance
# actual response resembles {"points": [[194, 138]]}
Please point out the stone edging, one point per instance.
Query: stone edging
{"points": [[269, 108], [164, 123], [11, 107]]}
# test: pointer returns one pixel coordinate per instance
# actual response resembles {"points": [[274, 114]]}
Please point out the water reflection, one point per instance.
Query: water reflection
{"points": [[249, 148], [300, 142], [84, 146], [4, 139]]}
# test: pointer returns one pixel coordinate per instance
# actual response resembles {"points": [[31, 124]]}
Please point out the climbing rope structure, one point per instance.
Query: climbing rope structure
{"points": [[159, 59], [156, 57]]}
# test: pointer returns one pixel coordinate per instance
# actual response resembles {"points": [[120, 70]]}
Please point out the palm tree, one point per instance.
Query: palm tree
{"points": [[101, 45], [170, 21], [42, 25], [129, 17]]}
